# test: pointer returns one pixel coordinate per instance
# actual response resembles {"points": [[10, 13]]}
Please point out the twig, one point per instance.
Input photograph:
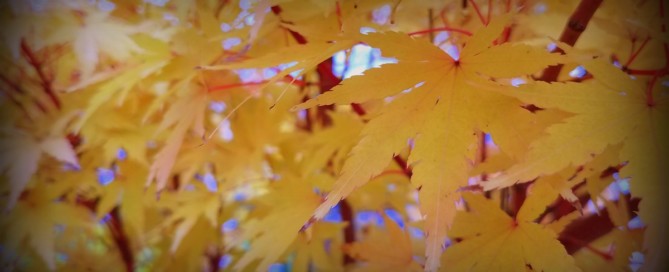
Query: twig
{"points": [[478, 12], [430, 24], [636, 53], [588, 229], [121, 239], [403, 164], [346, 212], [506, 33]]}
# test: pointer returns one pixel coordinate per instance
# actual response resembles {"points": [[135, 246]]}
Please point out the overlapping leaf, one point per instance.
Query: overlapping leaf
{"points": [[613, 109], [491, 240], [444, 107]]}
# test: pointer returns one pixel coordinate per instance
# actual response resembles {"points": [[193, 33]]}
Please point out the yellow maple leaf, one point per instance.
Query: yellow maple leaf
{"points": [[34, 218], [374, 250], [187, 113], [611, 110], [491, 240], [189, 208], [125, 191], [98, 33], [310, 248], [22, 154], [291, 203], [442, 115]]}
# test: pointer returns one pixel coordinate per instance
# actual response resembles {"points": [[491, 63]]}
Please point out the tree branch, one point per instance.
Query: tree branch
{"points": [[571, 32], [586, 230], [346, 212], [121, 239]]}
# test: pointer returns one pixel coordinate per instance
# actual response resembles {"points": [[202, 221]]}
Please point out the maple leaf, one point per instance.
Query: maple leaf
{"points": [[311, 250], [189, 208], [187, 113], [333, 143], [34, 218], [22, 154], [442, 114], [374, 250], [127, 192], [291, 203], [98, 33], [120, 86], [491, 240], [610, 110]]}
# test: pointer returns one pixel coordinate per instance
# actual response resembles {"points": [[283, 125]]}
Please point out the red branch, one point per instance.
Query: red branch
{"points": [[121, 239], [346, 212], [115, 224], [572, 31], [586, 230]]}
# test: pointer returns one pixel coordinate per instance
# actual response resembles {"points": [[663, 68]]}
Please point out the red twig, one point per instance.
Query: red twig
{"points": [[585, 230], [506, 33], [478, 12], [45, 81], [637, 72], [121, 239], [403, 165], [445, 28], [636, 53], [346, 212]]}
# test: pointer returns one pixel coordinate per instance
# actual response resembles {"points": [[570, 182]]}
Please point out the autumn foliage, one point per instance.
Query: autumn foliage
{"points": [[476, 135]]}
